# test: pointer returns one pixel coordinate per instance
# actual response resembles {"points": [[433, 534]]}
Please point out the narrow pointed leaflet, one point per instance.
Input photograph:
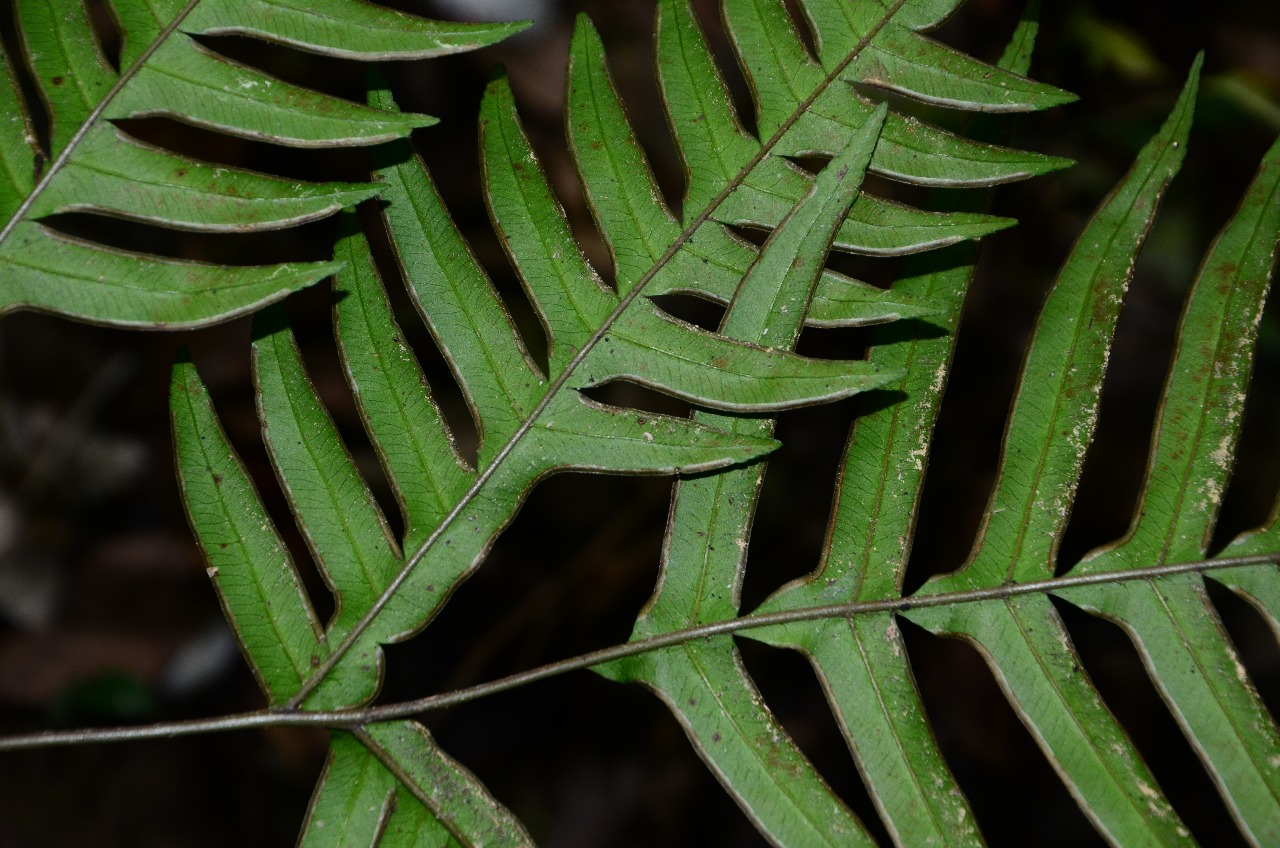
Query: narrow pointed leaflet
{"points": [[89, 164]]}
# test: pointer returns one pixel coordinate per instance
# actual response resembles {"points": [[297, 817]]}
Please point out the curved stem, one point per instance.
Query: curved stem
{"points": [[354, 718]]}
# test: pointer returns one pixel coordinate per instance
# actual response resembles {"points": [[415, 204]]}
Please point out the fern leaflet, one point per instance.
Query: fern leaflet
{"points": [[84, 162]]}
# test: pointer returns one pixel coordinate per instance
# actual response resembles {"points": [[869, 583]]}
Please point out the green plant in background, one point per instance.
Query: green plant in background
{"points": [[387, 782]]}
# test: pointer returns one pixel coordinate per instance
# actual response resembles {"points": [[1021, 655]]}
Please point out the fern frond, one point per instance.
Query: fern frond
{"points": [[531, 424], [1049, 429], [89, 164], [1170, 618], [812, 69], [706, 545], [861, 662], [345, 530]]}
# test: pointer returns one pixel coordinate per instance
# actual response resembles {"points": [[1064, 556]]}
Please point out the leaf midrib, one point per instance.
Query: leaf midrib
{"points": [[323, 670], [1250, 752], [1222, 343], [126, 76], [1107, 763], [1034, 494]]}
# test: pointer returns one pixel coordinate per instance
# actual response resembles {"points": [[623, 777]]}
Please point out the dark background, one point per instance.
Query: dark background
{"points": [[106, 615]]}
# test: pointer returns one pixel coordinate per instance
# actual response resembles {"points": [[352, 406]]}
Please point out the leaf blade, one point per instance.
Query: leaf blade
{"points": [[111, 174], [163, 71], [1053, 417], [256, 580], [337, 514], [1024, 643], [404, 424], [49, 272], [1205, 389], [346, 30], [1186, 651]]}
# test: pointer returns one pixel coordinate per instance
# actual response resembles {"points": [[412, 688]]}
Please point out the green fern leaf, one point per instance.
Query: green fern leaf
{"points": [[861, 661], [387, 782], [531, 424], [345, 531], [1171, 620], [349, 538], [1049, 429], [1169, 616], [706, 542], [91, 165]]}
